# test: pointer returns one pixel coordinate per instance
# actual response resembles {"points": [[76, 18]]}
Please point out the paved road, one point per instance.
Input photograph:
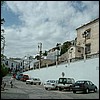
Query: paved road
{"points": [[21, 90]]}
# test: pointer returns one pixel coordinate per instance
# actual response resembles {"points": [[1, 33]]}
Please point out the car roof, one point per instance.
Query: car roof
{"points": [[51, 80], [25, 75], [83, 81]]}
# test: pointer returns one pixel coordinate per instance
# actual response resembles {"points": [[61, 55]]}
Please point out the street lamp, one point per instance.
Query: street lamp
{"points": [[40, 52], [84, 36], [58, 50]]}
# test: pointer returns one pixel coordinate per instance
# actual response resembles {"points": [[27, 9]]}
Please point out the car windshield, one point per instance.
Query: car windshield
{"points": [[51, 81], [25, 76]]}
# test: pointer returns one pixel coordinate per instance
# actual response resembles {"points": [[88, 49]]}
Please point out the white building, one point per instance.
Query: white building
{"points": [[75, 52]]}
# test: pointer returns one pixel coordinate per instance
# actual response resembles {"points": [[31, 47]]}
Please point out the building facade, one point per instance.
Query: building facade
{"points": [[75, 52], [53, 53], [91, 40]]}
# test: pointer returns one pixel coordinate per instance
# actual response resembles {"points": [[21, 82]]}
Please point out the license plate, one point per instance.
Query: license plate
{"points": [[48, 83]]}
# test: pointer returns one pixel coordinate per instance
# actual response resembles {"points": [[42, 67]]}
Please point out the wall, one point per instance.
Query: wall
{"points": [[79, 70]]}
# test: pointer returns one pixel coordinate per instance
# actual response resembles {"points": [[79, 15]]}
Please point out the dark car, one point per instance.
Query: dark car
{"points": [[84, 86]]}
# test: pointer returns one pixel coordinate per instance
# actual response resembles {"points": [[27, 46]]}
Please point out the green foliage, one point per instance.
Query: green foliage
{"points": [[37, 57], [45, 53], [4, 70], [2, 3], [58, 46], [65, 47]]}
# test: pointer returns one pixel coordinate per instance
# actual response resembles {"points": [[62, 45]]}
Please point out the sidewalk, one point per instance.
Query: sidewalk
{"points": [[8, 88]]}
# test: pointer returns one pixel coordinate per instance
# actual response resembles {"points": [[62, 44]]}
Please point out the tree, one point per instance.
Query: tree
{"points": [[65, 47], [58, 46], [2, 31], [2, 3], [37, 57], [45, 53], [4, 69]]}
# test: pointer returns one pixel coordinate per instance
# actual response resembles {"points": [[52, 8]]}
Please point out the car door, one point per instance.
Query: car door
{"points": [[92, 86]]}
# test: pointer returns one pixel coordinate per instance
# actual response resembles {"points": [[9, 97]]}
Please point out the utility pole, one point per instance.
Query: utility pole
{"points": [[40, 53]]}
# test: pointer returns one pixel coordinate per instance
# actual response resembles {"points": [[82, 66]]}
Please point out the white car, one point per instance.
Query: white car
{"points": [[34, 81], [65, 83], [51, 84]]}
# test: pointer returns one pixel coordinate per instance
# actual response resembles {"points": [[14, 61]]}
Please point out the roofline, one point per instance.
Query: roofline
{"points": [[87, 23]]}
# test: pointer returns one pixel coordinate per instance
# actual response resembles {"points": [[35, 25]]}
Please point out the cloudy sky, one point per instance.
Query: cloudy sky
{"points": [[49, 22]]}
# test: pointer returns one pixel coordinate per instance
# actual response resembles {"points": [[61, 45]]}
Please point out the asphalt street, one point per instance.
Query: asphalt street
{"points": [[21, 90]]}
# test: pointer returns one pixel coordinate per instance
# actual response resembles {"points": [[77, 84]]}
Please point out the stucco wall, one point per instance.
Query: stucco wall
{"points": [[88, 70]]}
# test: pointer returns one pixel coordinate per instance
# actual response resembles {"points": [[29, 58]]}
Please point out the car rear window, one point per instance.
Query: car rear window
{"points": [[66, 80], [36, 79], [26, 76], [80, 82]]}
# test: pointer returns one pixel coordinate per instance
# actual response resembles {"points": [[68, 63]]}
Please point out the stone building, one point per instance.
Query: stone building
{"points": [[90, 40]]}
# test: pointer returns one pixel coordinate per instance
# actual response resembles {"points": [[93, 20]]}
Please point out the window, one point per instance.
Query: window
{"points": [[88, 48], [88, 33], [79, 49], [91, 83]]}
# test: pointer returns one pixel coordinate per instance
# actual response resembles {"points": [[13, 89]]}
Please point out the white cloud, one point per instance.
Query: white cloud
{"points": [[48, 22]]}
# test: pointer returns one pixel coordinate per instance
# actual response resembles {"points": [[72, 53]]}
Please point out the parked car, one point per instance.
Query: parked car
{"points": [[19, 76], [51, 84], [65, 83], [14, 75], [84, 85], [34, 81], [24, 78]]}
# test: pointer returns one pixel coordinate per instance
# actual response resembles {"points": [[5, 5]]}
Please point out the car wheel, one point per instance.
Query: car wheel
{"points": [[87, 90], [34, 83], [39, 83], [31, 83], [56, 88], [74, 91], [95, 90], [69, 88], [46, 88], [60, 89]]}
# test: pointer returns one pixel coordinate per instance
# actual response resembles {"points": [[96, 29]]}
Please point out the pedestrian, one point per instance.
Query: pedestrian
{"points": [[3, 85], [12, 81]]}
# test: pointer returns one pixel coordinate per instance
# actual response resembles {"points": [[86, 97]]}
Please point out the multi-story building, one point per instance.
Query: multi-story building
{"points": [[90, 40], [53, 53], [75, 52], [12, 64]]}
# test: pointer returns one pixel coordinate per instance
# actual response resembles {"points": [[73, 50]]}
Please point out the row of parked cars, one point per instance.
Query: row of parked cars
{"points": [[27, 79], [70, 84], [60, 84]]}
